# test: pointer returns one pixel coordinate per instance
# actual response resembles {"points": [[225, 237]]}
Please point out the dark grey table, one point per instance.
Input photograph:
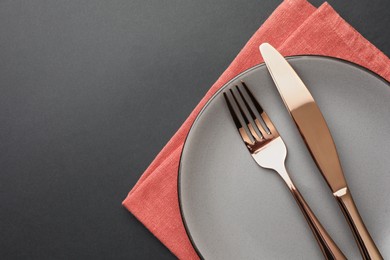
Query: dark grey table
{"points": [[91, 91]]}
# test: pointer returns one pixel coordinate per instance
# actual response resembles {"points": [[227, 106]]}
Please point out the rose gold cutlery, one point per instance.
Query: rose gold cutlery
{"points": [[269, 151], [314, 130]]}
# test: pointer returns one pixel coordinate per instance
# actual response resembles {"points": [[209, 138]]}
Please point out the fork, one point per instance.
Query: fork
{"points": [[269, 151]]}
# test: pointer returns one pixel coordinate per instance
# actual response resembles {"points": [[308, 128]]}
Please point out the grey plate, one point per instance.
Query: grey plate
{"points": [[233, 209]]}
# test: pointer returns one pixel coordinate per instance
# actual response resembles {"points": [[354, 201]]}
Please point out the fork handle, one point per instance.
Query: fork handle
{"points": [[366, 244], [326, 243]]}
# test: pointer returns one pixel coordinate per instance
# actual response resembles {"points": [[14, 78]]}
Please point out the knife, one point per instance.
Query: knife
{"points": [[318, 139]]}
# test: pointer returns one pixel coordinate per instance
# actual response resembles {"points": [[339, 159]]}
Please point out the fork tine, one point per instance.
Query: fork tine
{"points": [[239, 107], [240, 128], [246, 103], [268, 123], [254, 101], [232, 112], [247, 122], [255, 119]]}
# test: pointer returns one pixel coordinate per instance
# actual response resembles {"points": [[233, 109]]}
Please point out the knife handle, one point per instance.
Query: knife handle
{"points": [[366, 245], [326, 243]]}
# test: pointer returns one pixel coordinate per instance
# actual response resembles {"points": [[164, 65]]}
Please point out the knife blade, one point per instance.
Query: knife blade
{"points": [[318, 139]]}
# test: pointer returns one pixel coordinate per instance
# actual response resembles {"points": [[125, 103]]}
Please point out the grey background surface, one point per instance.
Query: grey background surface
{"points": [[91, 91]]}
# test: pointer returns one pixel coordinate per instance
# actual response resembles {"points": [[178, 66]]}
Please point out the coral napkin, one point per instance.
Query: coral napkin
{"points": [[295, 27]]}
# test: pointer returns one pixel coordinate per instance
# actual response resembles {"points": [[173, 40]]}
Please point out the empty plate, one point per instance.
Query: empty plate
{"points": [[233, 209]]}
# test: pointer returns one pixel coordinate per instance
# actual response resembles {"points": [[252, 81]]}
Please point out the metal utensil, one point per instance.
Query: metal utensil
{"points": [[315, 132], [269, 151]]}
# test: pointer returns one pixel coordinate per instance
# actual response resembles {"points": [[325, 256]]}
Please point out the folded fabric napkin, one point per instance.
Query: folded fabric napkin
{"points": [[295, 27]]}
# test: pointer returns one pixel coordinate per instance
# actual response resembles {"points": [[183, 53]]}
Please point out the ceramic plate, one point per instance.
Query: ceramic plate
{"points": [[233, 209]]}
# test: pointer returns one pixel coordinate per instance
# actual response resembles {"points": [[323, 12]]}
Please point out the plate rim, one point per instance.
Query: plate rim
{"points": [[292, 57]]}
